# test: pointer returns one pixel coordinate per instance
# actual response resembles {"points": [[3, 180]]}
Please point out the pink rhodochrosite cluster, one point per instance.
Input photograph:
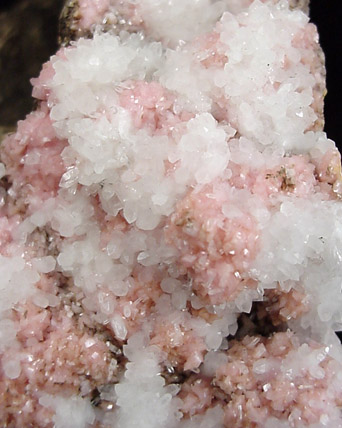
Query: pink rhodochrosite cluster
{"points": [[170, 225]]}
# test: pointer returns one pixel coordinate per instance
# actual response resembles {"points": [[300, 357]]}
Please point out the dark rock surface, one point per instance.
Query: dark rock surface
{"points": [[68, 28]]}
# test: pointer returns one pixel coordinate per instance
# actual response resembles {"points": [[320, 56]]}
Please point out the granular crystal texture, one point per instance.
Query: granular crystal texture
{"points": [[170, 224]]}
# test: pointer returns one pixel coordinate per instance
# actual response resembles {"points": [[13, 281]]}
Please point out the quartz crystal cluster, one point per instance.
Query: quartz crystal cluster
{"points": [[171, 224]]}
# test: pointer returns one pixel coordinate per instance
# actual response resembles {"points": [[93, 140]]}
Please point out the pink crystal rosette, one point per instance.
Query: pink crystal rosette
{"points": [[170, 225]]}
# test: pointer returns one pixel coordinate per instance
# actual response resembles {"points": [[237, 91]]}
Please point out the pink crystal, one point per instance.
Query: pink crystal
{"points": [[170, 217]]}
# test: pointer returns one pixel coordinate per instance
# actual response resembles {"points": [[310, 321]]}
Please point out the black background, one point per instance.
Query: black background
{"points": [[327, 15]]}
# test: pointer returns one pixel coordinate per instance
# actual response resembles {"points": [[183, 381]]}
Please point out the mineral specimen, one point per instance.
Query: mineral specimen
{"points": [[171, 224]]}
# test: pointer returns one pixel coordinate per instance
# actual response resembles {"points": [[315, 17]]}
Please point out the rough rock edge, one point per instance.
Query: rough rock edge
{"points": [[68, 28], [300, 4]]}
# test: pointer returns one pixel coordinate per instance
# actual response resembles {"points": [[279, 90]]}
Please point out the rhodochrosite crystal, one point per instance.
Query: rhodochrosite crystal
{"points": [[171, 224]]}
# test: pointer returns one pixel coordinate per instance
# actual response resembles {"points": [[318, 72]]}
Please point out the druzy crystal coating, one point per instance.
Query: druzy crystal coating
{"points": [[171, 224]]}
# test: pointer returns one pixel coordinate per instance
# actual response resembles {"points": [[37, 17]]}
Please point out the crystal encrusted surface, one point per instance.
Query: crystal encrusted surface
{"points": [[170, 224]]}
